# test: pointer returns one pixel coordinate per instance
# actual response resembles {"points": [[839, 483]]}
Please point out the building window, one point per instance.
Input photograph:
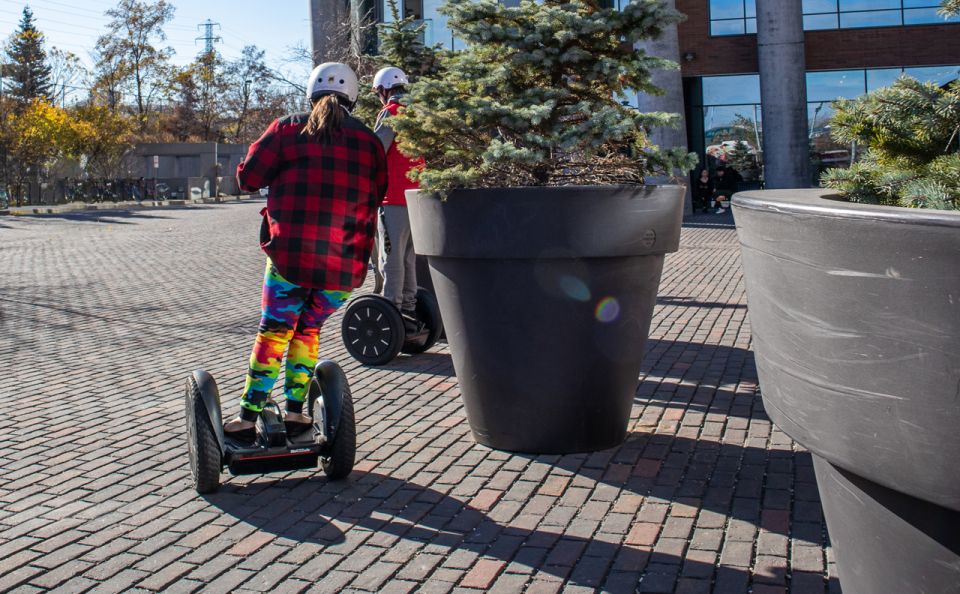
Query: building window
{"points": [[739, 17], [726, 114], [733, 17], [826, 86], [732, 128]]}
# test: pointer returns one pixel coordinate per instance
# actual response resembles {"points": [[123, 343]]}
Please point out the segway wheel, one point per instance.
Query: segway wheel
{"points": [[204, 449], [428, 312], [339, 453], [372, 330]]}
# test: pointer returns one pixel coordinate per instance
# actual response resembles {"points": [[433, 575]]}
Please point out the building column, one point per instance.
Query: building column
{"points": [[667, 46], [783, 94]]}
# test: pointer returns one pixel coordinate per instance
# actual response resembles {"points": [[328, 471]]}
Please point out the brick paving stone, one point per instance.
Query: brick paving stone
{"points": [[16, 577], [705, 487], [75, 585], [52, 578]]}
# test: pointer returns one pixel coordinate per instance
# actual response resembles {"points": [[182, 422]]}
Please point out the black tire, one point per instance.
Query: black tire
{"points": [[428, 312], [372, 330], [341, 451], [204, 450]]}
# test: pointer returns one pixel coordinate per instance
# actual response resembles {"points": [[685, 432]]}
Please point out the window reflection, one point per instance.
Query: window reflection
{"points": [[882, 77], [727, 9], [850, 5], [878, 18], [732, 130], [720, 90], [815, 22], [827, 86], [814, 6], [732, 136], [737, 17], [939, 75], [731, 125]]}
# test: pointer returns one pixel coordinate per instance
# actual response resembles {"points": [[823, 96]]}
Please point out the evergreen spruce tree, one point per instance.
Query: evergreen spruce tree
{"points": [[744, 159], [27, 71], [534, 99], [910, 135]]}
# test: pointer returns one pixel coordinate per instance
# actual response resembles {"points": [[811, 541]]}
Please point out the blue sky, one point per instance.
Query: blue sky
{"points": [[75, 25]]}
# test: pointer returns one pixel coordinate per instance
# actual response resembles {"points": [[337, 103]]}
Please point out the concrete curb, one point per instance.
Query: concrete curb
{"points": [[74, 207]]}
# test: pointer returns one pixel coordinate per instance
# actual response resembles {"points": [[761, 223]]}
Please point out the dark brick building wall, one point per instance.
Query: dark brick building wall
{"points": [[919, 45]]}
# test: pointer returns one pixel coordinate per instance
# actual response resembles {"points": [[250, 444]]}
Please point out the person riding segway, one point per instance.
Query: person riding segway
{"points": [[373, 333], [327, 174]]}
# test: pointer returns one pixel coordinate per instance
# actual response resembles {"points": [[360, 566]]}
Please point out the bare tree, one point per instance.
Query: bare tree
{"points": [[128, 50], [67, 74]]}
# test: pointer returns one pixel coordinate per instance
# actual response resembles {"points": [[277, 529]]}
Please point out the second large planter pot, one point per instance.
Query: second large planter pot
{"points": [[547, 296], [855, 312]]}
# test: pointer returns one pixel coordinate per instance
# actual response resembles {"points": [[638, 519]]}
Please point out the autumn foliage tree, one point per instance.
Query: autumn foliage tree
{"points": [[36, 137]]}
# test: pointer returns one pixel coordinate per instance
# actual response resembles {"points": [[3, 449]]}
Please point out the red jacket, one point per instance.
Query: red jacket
{"points": [[398, 165], [321, 211]]}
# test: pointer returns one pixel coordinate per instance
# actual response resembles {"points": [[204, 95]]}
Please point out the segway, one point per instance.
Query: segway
{"points": [[332, 441], [373, 329]]}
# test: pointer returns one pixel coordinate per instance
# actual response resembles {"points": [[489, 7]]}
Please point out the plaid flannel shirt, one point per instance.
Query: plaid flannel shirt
{"points": [[321, 211]]}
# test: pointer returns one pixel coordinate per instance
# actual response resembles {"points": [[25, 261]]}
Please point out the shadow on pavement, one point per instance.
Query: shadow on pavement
{"points": [[720, 488], [706, 377], [428, 362], [116, 216], [709, 221], [331, 514], [691, 302], [146, 321], [105, 217]]}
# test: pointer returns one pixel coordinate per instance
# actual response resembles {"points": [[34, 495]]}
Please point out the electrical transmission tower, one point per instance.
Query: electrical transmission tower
{"points": [[208, 35]]}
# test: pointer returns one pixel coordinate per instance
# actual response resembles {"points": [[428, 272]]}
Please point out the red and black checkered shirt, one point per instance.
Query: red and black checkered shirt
{"points": [[322, 208]]}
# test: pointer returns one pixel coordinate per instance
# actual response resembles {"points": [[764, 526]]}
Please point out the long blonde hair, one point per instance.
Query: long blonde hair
{"points": [[326, 119]]}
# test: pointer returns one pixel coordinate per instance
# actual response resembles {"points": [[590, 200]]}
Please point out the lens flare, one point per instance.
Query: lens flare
{"points": [[575, 288], [608, 309]]}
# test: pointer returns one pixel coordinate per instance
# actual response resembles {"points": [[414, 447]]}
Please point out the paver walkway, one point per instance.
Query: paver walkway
{"points": [[103, 315]]}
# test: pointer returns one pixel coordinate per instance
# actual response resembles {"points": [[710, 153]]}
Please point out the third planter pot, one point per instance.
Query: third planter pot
{"points": [[547, 296]]}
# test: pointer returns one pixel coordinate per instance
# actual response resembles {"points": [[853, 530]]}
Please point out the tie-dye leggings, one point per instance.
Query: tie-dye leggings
{"points": [[292, 315]]}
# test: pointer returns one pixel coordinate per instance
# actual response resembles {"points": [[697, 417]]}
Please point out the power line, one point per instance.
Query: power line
{"points": [[90, 14]]}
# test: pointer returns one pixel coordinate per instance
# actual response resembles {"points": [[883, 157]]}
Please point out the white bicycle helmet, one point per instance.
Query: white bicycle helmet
{"points": [[389, 77], [333, 77]]}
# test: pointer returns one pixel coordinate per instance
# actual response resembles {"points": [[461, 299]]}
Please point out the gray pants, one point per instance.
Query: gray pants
{"points": [[399, 263]]}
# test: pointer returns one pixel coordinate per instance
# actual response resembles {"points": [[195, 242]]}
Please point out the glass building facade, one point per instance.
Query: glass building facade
{"points": [[723, 112], [436, 31], [739, 17]]}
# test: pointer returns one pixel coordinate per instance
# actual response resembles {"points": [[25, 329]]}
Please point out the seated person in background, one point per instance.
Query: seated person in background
{"points": [[703, 191], [726, 186]]}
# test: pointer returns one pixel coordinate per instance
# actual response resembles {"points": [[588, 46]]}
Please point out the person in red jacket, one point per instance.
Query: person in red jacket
{"points": [[327, 174], [398, 260]]}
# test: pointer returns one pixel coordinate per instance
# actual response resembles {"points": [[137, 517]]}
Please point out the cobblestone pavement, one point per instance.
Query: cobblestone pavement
{"points": [[103, 315]]}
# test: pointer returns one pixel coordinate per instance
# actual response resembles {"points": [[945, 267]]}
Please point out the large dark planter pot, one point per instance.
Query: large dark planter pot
{"points": [[547, 296], [855, 311]]}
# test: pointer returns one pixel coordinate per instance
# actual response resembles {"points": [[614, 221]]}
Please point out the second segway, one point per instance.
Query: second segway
{"points": [[373, 330]]}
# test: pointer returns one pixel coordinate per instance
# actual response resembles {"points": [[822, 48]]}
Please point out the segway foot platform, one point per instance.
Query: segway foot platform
{"points": [[273, 450], [331, 441]]}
